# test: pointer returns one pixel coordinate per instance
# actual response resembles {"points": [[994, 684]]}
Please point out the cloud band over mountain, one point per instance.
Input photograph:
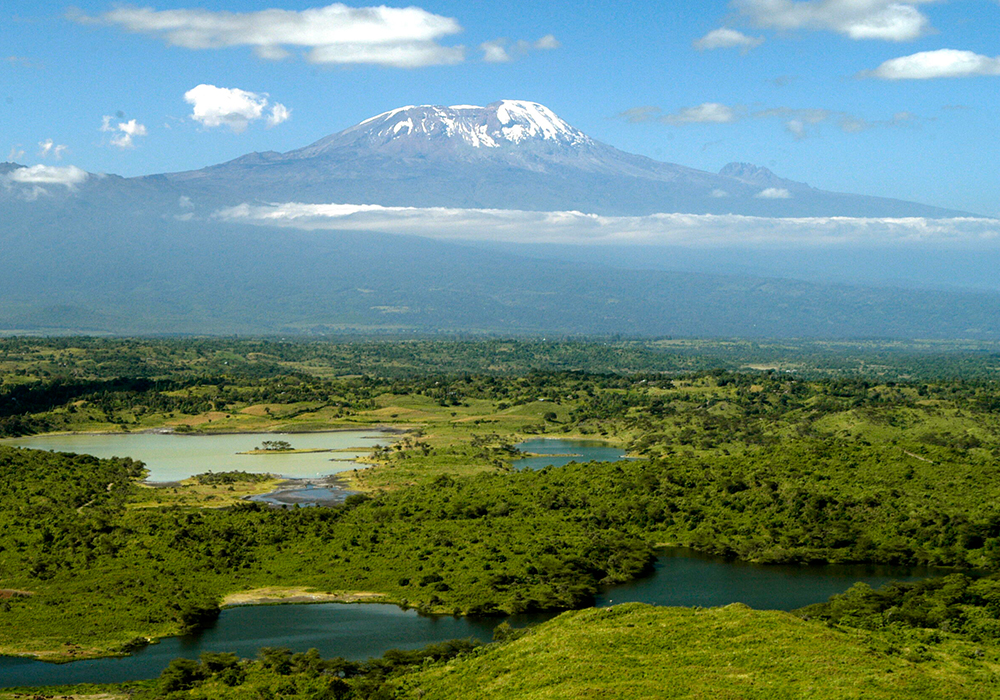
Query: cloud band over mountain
{"points": [[706, 230]]}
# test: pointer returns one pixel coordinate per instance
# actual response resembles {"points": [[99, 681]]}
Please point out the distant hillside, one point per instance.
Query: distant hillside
{"points": [[131, 274], [85, 252]]}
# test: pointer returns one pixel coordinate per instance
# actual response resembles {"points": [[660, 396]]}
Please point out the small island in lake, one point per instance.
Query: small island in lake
{"points": [[280, 447]]}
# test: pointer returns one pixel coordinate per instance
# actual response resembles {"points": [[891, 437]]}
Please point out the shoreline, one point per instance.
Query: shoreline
{"points": [[390, 429]]}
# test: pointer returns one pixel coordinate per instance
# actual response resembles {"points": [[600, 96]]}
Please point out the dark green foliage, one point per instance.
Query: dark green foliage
{"points": [[224, 478], [956, 604], [181, 674]]}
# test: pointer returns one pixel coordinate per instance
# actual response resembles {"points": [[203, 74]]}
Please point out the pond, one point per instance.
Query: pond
{"points": [[358, 631], [559, 452], [173, 457]]}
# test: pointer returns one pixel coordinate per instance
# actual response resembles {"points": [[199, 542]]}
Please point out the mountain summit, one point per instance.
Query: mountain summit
{"points": [[503, 124], [510, 154]]}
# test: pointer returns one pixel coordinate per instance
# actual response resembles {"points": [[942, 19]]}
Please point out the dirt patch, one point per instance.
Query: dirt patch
{"points": [[274, 594], [6, 593], [260, 410]]}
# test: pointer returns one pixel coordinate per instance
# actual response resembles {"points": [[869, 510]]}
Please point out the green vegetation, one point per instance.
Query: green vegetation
{"points": [[877, 454], [275, 446], [635, 651], [628, 651]]}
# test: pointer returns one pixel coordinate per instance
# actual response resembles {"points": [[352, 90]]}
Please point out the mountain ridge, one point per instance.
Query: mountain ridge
{"points": [[513, 154]]}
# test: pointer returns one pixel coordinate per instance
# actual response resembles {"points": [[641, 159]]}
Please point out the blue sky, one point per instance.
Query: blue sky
{"points": [[869, 96]]}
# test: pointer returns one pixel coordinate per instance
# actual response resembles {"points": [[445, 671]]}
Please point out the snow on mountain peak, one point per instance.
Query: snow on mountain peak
{"points": [[501, 123]]}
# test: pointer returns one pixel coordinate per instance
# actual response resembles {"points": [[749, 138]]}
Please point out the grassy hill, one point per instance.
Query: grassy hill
{"points": [[640, 651]]}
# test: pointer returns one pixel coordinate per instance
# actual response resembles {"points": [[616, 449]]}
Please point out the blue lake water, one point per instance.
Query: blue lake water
{"points": [[559, 452], [361, 630]]}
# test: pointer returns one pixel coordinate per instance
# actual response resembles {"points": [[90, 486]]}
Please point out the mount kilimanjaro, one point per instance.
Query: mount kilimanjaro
{"points": [[508, 155], [100, 253]]}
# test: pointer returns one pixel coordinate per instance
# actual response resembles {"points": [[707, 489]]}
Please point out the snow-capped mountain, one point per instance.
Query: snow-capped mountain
{"points": [[510, 154], [504, 124], [91, 252]]}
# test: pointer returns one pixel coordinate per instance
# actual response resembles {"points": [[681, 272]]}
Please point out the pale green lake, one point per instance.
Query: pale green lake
{"points": [[172, 457]]}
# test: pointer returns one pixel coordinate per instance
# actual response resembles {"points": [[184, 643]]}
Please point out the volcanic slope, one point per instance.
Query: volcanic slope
{"points": [[510, 154]]}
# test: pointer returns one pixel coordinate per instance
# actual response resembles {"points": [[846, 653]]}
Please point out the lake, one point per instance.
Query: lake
{"points": [[362, 630], [173, 457], [559, 452]]}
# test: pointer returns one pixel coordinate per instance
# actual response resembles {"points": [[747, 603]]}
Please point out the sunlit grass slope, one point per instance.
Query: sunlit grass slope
{"points": [[639, 651]]}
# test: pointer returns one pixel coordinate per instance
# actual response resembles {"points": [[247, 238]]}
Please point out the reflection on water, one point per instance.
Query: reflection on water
{"points": [[173, 457], [688, 578], [559, 452], [359, 631]]}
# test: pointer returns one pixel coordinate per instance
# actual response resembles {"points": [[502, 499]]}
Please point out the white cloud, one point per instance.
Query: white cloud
{"points": [[415, 54], [69, 176], [124, 132], [16, 153], [943, 63], [547, 43], [388, 36], [215, 106], [504, 51], [48, 147], [725, 38], [693, 230], [705, 113], [774, 193], [800, 123], [279, 113], [495, 51], [888, 20], [797, 128]]}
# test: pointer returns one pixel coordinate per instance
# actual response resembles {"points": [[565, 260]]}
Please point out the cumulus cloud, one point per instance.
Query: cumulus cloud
{"points": [[216, 106], [705, 113], [279, 113], [547, 43], [943, 63], [495, 51], [887, 20], [49, 148], [694, 230], [504, 51], [387, 36], [16, 153], [38, 175], [774, 193], [725, 38], [123, 133]]}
